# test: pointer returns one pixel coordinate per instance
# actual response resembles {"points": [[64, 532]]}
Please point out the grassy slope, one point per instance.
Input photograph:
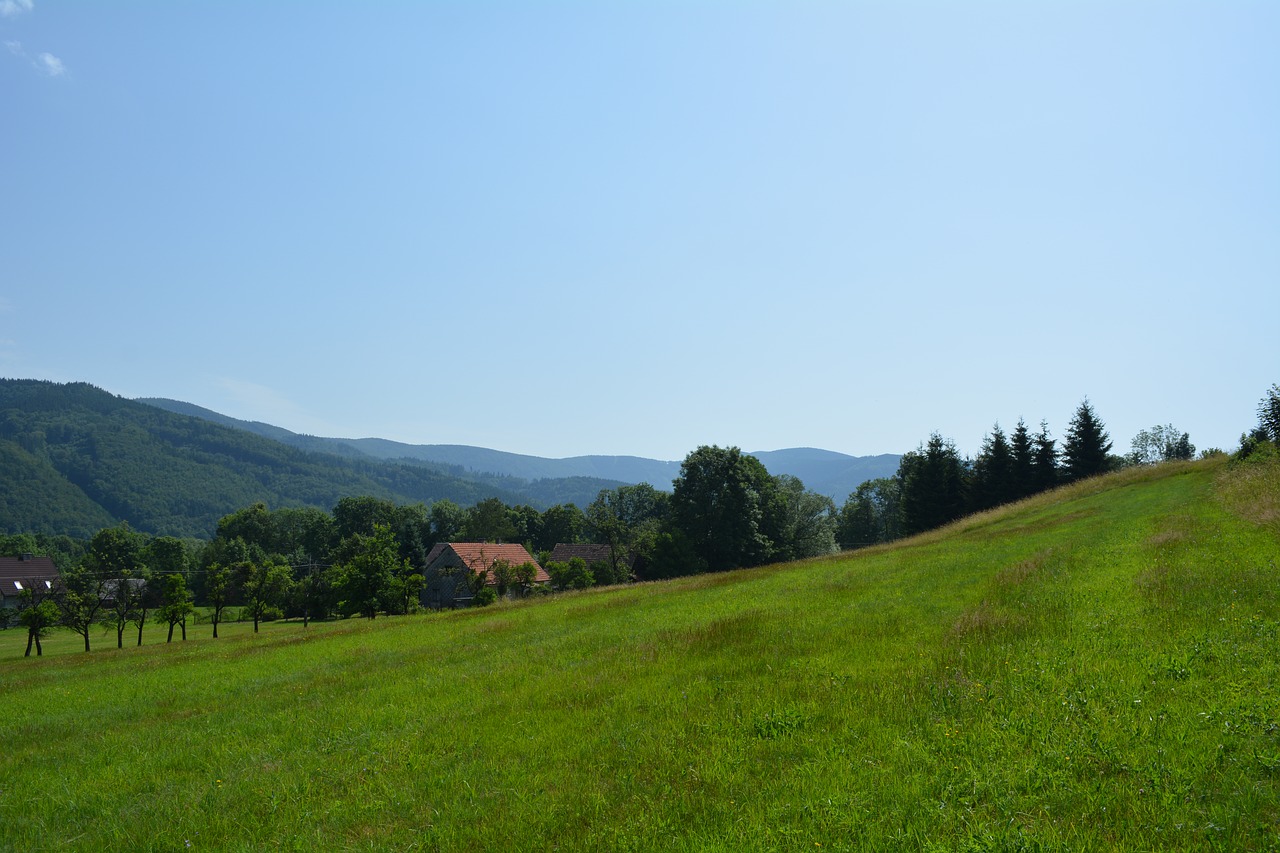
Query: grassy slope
{"points": [[1091, 669]]}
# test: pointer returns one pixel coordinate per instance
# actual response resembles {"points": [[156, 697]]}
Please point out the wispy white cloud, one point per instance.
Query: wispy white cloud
{"points": [[14, 8], [52, 65], [47, 63]]}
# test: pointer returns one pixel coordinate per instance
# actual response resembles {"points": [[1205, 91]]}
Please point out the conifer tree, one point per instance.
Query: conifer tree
{"points": [[933, 485], [993, 472], [1087, 444], [1044, 461], [1023, 462]]}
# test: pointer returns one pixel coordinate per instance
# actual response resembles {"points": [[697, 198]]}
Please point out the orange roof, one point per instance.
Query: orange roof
{"points": [[480, 557]]}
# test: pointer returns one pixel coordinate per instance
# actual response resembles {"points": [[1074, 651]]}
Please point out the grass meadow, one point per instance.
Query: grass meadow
{"points": [[1094, 668]]}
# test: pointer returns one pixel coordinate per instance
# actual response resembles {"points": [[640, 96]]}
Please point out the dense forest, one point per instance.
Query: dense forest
{"points": [[74, 459]]}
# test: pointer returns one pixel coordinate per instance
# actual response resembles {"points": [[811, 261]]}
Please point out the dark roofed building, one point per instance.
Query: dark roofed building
{"points": [[591, 554], [25, 572]]}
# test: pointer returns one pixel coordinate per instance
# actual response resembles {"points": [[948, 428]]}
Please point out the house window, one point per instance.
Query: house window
{"points": [[18, 584]]}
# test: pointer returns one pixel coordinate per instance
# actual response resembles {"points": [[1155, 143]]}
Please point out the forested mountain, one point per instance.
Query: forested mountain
{"points": [[74, 458], [826, 472]]}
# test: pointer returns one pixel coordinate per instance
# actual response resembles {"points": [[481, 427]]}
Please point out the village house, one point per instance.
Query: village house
{"points": [[591, 554], [26, 572], [451, 566]]}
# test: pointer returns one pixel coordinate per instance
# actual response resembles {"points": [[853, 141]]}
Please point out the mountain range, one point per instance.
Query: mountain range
{"points": [[824, 471], [75, 458]]}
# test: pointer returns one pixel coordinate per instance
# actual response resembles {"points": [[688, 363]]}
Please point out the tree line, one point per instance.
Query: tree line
{"points": [[725, 511], [935, 485]]}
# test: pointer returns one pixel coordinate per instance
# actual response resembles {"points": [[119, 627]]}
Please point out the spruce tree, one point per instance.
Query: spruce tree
{"points": [[993, 472], [1044, 461], [1023, 472], [933, 485], [1087, 444]]}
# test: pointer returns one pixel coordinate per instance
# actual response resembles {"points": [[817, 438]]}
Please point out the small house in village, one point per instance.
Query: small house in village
{"points": [[451, 566], [591, 554], [26, 572]]}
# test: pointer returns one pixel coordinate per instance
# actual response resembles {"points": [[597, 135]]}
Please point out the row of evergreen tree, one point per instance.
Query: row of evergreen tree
{"points": [[935, 485]]}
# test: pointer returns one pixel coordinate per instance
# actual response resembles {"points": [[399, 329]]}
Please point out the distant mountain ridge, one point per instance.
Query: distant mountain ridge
{"points": [[827, 472], [75, 459]]}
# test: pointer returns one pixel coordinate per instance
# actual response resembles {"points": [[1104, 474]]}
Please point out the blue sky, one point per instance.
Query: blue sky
{"points": [[638, 227]]}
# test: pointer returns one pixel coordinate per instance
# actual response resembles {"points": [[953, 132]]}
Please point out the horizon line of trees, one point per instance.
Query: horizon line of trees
{"points": [[725, 511], [934, 485]]}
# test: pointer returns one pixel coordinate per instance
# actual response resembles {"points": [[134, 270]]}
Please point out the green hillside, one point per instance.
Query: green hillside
{"points": [[1094, 668], [74, 459]]}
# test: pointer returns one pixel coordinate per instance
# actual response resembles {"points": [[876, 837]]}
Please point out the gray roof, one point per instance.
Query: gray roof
{"points": [[18, 573]]}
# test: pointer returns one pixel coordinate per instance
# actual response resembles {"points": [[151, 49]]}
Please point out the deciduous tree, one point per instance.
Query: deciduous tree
{"points": [[725, 502], [175, 603], [808, 521], [363, 581], [219, 589], [37, 613], [1269, 413], [263, 588]]}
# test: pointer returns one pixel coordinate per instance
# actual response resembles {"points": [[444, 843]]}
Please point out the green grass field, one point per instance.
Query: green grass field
{"points": [[1091, 669]]}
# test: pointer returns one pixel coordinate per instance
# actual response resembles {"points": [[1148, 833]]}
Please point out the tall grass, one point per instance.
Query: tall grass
{"points": [[1094, 668]]}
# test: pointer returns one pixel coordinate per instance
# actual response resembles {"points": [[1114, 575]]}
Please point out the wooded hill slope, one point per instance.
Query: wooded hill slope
{"points": [[74, 459], [1093, 668], [826, 472]]}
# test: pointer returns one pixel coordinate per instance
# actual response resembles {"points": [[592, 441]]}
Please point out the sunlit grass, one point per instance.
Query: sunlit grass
{"points": [[1090, 669]]}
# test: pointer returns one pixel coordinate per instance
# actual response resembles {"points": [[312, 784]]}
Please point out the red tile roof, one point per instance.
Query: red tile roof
{"points": [[480, 557]]}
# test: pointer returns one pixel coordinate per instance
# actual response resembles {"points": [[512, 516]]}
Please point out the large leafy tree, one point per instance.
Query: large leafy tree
{"points": [[262, 587], [117, 556], [363, 581], [1087, 445], [872, 514], [726, 503], [490, 521], [628, 519], [360, 515], [175, 603], [37, 613], [1269, 413], [447, 520], [560, 523], [219, 590], [1160, 443], [80, 600], [527, 522], [808, 521], [253, 524]]}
